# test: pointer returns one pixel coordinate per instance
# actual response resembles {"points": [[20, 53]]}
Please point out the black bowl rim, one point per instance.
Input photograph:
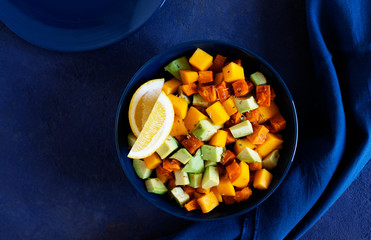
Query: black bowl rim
{"points": [[219, 42]]}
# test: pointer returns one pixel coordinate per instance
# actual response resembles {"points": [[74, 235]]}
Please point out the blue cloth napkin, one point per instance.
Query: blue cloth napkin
{"points": [[334, 128]]}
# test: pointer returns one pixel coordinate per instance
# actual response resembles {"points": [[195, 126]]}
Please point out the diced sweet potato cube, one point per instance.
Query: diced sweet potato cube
{"points": [[244, 178], [259, 135], [223, 90], [240, 88], [262, 179], [189, 190], [188, 76], [230, 138], [254, 166], [191, 143], [171, 86], [233, 171], [163, 174], [208, 202], [217, 194], [208, 93], [171, 165], [228, 157], [278, 123], [218, 63], [263, 94], [217, 113], [253, 116], [243, 195], [192, 205], [228, 200], [152, 161], [190, 89], [234, 119], [267, 113], [205, 77], [230, 106]]}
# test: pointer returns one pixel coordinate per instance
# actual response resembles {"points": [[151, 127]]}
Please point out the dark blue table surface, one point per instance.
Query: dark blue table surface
{"points": [[60, 177]]}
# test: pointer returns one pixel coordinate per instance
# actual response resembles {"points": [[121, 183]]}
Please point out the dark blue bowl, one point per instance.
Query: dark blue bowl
{"points": [[76, 25], [154, 68]]}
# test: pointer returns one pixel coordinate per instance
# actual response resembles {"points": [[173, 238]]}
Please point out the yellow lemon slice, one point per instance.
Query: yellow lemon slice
{"points": [[156, 129], [142, 102]]}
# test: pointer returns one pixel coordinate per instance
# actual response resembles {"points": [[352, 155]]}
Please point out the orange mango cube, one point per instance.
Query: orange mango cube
{"points": [[233, 72], [262, 179], [171, 86], [180, 105], [219, 139], [192, 118], [230, 106], [271, 143], [208, 202], [188, 76], [217, 113], [201, 60], [179, 127], [152, 161]]}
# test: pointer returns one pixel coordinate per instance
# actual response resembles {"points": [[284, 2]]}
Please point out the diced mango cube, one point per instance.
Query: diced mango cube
{"points": [[201, 60], [259, 135], [244, 177], [179, 127], [233, 72], [218, 78], [217, 113], [219, 139], [171, 86], [240, 144], [192, 118], [271, 143], [225, 187], [180, 106], [188, 76], [262, 179], [267, 113], [230, 106], [152, 161], [217, 194], [208, 202]]}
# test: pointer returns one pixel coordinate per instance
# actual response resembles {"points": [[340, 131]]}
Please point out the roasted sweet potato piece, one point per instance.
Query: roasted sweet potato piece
{"points": [[205, 77], [238, 61], [163, 174], [254, 166], [234, 119], [278, 123], [171, 164], [240, 88], [259, 135], [230, 138], [189, 89], [243, 195], [191, 143], [208, 93], [263, 95], [233, 171], [223, 90], [253, 116], [228, 157], [218, 64], [189, 190], [192, 205], [228, 200]]}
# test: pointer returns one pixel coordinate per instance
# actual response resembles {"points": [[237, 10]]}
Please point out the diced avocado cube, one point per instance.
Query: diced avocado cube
{"points": [[180, 196], [181, 94], [196, 164], [271, 160], [248, 155], [199, 101], [204, 130], [141, 169], [209, 163], [131, 139], [211, 153], [258, 78], [154, 185], [176, 65], [167, 147], [195, 180], [182, 155], [210, 177], [181, 177], [241, 129], [245, 104]]}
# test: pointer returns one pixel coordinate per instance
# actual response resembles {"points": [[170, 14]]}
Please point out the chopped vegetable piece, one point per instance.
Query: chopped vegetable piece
{"points": [[180, 106], [191, 143], [188, 76], [262, 179], [163, 174], [240, 88], [267, 113], [225, 187], [218, 63], [230, 138], [228, 200], [259, 135], [201, 60], [192, 205], [176, 65], [228, 157], [217, 113], [233, 171], [208, 93], [182, 155], [217, 194], [152, 161], [169, 146], [230, 106], [171, 86], [241, 143], [199, 101], [278, 123], [218, 78], [271, 143], [254, 166], [171, 165], [243, 195], [258, 78], [181, 178], [154, 185], [270, 161], [205, 77], [223, 90], [189, 190], [245, 104], [211, 153], [192, 118], [248, 155], [242, 129], [141, 169], [208, 202], [234, 119], [210, 177], [244, 177], [180, 196], [263, 94], [195, 180], [190, 89], [233, 72], [178, 128], [219, 139], [253, 116], [204, 130]]}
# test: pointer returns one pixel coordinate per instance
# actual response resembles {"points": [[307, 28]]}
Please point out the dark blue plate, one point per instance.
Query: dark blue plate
{"points": [[76, 25], [154, 68]]}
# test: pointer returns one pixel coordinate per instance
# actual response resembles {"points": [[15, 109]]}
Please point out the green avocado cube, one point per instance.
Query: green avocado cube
{"points": [[169, 146], [195, 180], [245, 104], [271, 160], [131, 140], [180, 196], [176, 65], [141, 169], [248, 155], [211, 153], [181, 94], [181, 177], [210, 177], [241, 129], [258, 78], [204, 130], [154, 185], [199, 101], [209, 163], [195, 165], [182, 155]]}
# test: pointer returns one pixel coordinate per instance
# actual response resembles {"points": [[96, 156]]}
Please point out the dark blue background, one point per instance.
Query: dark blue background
{"points": [[60, 177]]}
